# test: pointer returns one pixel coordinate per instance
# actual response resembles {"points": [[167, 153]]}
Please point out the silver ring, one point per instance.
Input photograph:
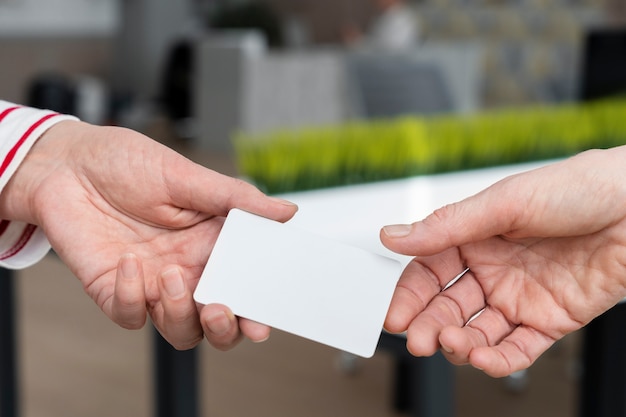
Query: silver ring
{"points": [[455, 279]]}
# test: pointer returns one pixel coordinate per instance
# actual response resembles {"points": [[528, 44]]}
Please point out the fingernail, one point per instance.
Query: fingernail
{"points": [[261, 340], [447, 349], [397, 230], [284, 202], [129, 266], [219, 323], [173, 283]]}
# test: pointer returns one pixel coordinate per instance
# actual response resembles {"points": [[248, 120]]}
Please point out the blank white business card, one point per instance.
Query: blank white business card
{"points": [[299, 282]]}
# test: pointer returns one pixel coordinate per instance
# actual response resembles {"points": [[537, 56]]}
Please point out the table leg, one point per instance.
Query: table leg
{"points": [[603, 386], [8, 353], [424, 387], [176, 388]]}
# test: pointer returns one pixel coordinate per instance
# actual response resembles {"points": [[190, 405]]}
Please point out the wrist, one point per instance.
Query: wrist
{"points": [[20, 200]]}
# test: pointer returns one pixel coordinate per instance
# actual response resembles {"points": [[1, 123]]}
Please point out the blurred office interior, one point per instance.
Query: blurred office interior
{"points": [[191, 74]]}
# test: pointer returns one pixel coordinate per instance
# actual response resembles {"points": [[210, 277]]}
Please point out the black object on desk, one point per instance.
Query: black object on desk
{"points": [[603, 64], [8, 355]]}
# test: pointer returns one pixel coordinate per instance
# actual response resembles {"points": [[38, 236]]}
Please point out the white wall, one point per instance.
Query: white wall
{"points": [[58, 17]]}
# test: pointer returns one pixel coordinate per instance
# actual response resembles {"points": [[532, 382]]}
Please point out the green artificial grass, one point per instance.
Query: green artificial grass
{"points": [[365, 151]]}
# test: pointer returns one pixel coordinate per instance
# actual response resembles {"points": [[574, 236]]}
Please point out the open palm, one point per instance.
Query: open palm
{"points": [[545, 252]]}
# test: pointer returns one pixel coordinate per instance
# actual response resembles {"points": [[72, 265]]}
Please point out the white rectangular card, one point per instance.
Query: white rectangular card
{"points": [[299, 282]]}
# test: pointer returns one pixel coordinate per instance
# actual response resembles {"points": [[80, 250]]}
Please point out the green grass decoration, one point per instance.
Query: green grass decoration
{"points": [[365, 151]]}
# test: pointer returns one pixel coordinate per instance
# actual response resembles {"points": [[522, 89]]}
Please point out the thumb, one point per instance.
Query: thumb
{"points": [[481, 216]]}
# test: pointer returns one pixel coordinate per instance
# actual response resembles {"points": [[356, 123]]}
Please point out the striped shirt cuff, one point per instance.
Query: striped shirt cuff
{"points": [[21, 244]]}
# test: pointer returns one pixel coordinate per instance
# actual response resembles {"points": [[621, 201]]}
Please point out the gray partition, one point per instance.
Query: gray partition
{"points": [[241, 85]]}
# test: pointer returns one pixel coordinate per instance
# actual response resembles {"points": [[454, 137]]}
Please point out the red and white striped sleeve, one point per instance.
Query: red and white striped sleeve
{"points": [[21, 244]]}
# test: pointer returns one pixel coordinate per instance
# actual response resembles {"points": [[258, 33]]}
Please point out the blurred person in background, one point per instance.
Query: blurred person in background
{"points": [[396, 27], [615, 13]]}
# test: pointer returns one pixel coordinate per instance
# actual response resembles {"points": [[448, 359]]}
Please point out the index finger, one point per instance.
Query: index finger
{"points": [[210, 192]]}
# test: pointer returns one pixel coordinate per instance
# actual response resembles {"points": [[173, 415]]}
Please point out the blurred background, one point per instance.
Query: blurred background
{"points": [[222, 80]]}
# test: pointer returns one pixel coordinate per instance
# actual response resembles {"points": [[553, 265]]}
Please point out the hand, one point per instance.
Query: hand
{"points": [[546, 252], [135, 222]]}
